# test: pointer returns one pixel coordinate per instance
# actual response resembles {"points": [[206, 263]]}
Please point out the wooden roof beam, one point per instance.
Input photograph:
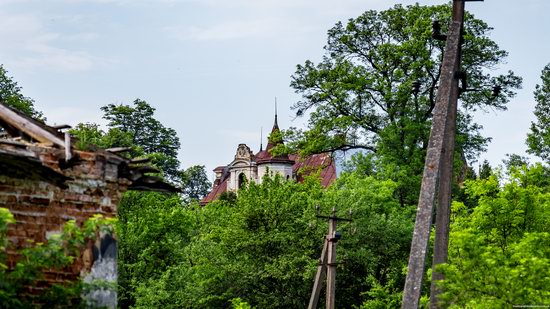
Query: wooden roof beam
{"points": [[30, 128]]}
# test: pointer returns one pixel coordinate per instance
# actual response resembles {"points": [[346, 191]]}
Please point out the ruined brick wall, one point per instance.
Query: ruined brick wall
{"points": [[42, 207]]}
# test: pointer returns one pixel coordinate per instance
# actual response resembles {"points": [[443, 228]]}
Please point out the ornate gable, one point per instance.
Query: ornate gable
{"points": [[244, 153]]}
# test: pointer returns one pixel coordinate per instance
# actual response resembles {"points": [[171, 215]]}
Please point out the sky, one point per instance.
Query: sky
{"points": [[212, 68]]}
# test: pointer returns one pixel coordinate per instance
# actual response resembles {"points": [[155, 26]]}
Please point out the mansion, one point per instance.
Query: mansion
{"points": [[247, 166]]}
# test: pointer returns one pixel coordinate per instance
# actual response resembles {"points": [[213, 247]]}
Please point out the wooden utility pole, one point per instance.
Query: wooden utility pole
{"points": [[327, 264], [331, 260], [319, 278], [437, 177]]}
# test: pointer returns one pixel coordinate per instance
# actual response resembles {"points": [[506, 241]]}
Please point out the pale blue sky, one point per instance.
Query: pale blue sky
{"points": [[212, 68]]}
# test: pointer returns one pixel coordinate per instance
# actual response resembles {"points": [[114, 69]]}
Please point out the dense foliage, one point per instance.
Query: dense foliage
{"points": [[361, 94], [263, 247], [59, 251], [153, 229], [499, 251]]}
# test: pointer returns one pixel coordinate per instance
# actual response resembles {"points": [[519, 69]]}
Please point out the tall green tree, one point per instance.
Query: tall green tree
{"points": [[363, 94], [136, 123], [135, 127], [538, 140], [485, 170], [11, 95], [195, 183]]}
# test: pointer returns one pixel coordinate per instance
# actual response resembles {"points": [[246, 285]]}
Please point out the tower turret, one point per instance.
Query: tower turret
{"points": [[269, 164]]}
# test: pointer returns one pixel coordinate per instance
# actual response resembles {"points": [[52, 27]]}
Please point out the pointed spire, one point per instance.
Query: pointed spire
{"points": [[274, 137], [261, 138], [275, 124]]}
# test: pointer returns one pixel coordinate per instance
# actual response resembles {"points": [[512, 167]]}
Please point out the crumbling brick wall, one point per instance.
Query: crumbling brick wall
{"points": [[41, 207]]}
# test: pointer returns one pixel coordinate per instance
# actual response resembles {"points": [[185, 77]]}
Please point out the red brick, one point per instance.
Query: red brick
{"points": [[40, 201], [39, 206], [88, 156], [7, 199]]}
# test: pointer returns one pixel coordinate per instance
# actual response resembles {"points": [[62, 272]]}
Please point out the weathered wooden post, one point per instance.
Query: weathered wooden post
{"points": [[331, 261], [437, 177], [319, 278], [327, 263]]}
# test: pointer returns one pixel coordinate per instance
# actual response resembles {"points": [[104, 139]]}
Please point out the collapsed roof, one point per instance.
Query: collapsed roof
{"points": [[30, 149]]}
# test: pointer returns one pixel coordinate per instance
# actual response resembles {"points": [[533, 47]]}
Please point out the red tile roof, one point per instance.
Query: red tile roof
{"points": [[264, 157], [219, 168], [216, 192], [318, 162]]}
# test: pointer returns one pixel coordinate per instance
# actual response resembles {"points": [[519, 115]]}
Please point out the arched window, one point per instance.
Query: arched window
{"points": [[241, 181]]}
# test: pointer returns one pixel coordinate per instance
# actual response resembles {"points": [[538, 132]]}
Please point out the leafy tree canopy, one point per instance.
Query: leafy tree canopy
{"points": [[134, 127], [538, 140], [485, 170], [195, 183], [146, 132], [10, 95], [515, 160], [360, 95]]}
